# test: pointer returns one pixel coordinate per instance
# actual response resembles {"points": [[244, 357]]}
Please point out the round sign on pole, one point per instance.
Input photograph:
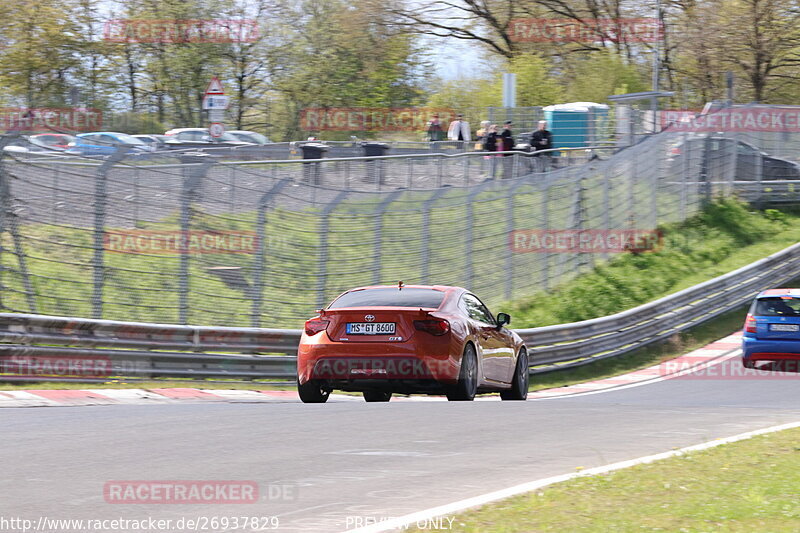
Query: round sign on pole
{"points": [[216, 129]]}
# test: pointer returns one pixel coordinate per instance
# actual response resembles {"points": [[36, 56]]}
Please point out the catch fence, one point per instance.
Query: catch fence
{"points": [[265, 243]]}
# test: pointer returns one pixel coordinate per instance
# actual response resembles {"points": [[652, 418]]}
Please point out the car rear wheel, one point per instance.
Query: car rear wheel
{"points": [[377, 396], [519, 383], [312, 392], [467, 386]]}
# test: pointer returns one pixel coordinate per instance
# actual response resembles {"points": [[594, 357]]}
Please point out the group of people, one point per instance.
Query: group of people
{"points": [[488, 138]]}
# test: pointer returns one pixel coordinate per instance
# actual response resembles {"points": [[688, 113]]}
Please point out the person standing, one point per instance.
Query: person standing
{"points": [[480, 135], [507, 137], [459, 131], [542, 140], [490, 139], [435, 132]]}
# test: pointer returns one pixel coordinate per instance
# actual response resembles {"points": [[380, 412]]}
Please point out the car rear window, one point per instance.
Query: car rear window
{"points": [[390, 297], [777, 306]]}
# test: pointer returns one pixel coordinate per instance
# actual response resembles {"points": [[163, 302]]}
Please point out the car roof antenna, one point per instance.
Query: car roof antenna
{"points": [[399, 285]]}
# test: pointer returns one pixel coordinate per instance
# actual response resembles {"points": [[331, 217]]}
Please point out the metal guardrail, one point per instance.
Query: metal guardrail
{"points": [[145, 350]]}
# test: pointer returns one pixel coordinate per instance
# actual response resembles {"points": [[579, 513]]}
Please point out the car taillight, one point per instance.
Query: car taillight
{"points": [[750, 324], [315, 325], [434, 327]]}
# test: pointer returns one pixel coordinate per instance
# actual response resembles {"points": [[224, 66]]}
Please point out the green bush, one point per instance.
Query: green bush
{"points": [[690, 248]]}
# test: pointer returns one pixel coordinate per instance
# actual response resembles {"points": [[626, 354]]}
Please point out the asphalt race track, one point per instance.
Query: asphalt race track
{"points": [[326, 468]]}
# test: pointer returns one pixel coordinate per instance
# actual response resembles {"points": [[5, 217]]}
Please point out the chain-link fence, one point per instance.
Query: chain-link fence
{"points": [[265, 243]]}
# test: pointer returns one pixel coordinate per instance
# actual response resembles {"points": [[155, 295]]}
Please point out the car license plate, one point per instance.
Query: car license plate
{"points": [[784, 327], [370, 328]]}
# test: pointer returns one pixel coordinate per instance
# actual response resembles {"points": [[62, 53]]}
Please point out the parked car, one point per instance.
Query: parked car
{"points": [[53, 141], [24, 146], [200, 136], [250, 137], [718, 157], [772, 330], [158, 142], [105, 143], [410, 339]]}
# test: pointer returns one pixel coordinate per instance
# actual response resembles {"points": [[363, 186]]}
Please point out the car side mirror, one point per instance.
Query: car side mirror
{"points": [[503, 319]]}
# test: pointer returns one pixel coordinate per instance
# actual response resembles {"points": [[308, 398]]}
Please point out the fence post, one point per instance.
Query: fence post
{"points": [[759, 203], [580, 219], [5, 196], [426, 234], [655, 193], [545, 227], [379, 212], [510, 224], [323, 247], [469, 234], [98, 258], [685, 163], [23, 266], [261, 253], [196, 168], [704, 177], [606, 204]]}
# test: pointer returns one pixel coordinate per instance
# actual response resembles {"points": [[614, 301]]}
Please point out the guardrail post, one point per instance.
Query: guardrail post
{"points": [[196, 168], [322, 283], [261, 254], [100, 199]]}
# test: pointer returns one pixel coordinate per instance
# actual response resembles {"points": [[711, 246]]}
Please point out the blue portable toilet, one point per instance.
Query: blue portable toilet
{"points": [[576, 124]]}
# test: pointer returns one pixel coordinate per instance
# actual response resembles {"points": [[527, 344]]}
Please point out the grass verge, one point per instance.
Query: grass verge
{"points": [[725, 236], [751, 485]]}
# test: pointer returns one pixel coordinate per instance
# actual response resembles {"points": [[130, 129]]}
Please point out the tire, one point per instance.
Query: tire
{"points": [[747, 363], [313, 392], [467, 386], [519, 383], [377, 396]]}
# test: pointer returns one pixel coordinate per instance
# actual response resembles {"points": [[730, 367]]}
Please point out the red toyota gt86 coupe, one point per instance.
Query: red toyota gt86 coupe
{"points": [[410, 339]]}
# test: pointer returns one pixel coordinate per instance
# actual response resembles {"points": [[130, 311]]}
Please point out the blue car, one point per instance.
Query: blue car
{"points": [[772, 330], [105, 143]]}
